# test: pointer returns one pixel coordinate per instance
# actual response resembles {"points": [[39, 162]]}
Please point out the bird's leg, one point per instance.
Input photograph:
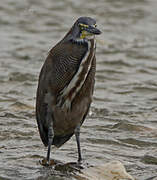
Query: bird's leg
{"points": [[50, 140], [49, 122], [77, 135], [50, 136]]}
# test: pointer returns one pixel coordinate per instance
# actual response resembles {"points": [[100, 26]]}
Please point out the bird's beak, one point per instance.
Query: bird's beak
{"points": [[93, 30]]}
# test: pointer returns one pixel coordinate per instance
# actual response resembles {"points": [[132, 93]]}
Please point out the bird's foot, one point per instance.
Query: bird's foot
{"points": [[79, 161], [68, 167], [47, 163]]}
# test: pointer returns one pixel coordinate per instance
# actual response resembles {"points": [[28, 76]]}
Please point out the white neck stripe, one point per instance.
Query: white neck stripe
{"points": [[73, 82]]}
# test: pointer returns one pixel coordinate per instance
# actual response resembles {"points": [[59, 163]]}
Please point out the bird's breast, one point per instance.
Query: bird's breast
{"points": [[70, 91]]}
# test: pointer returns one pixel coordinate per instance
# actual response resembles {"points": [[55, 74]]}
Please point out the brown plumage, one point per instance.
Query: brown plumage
{"points": [[65, 88]]}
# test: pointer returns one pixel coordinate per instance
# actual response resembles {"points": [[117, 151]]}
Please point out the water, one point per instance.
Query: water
{"points": [[122, 121]]}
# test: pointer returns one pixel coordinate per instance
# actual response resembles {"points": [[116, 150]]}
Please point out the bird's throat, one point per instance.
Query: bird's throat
{"points": [[86, 35]]}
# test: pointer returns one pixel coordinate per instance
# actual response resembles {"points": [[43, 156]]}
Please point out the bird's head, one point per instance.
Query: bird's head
{"points": [[84, 28]]}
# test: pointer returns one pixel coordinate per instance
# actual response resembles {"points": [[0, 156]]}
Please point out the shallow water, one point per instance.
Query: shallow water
{"points": [[122, 121]]}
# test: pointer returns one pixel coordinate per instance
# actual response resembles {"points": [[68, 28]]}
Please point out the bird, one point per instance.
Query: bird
{"points": [[66, 85]]}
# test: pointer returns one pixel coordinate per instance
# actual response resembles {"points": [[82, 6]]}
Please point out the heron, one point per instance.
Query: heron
{"points": [[66, 85]]}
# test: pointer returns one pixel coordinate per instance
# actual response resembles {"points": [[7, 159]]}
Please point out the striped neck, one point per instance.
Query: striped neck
{"points": [[70, 91], [84, 40], [79, 41]]}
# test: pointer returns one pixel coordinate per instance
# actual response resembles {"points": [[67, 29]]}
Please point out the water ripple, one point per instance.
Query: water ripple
{"points": [[122, 120]]}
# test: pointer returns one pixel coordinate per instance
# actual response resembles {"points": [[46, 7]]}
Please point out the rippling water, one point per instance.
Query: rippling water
{"points": [[122, 121]]}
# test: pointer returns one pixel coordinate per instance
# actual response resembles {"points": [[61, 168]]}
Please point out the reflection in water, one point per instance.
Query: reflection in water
{"points": [[122, 122]]}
